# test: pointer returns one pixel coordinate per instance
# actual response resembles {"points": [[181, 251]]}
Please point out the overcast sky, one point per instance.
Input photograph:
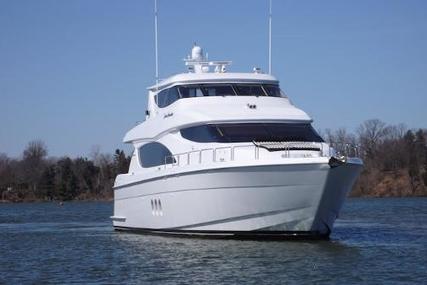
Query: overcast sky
{"points": [[74, 73]]}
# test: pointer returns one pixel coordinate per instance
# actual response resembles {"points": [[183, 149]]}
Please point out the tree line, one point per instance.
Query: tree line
{"points": [[395, 158], [36, 176], [395, 164]]}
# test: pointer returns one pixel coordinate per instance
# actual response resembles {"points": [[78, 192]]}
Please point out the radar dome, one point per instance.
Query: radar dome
{"points": [[197, 53]]}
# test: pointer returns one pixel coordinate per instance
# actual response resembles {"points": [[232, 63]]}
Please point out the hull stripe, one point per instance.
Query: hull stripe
{"points": [[263, 235], [214, 188], [245, 217], [209, 170]]}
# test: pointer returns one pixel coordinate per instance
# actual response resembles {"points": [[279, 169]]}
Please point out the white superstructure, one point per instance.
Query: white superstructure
{"points": [[228, 154]]}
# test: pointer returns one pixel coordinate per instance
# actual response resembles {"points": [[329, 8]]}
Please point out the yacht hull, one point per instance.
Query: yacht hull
{"points": [[264, 201]]}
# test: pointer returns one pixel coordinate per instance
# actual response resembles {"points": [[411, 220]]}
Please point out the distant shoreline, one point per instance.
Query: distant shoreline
{"points": [[394, 157], [112, 199], [55, 201]]}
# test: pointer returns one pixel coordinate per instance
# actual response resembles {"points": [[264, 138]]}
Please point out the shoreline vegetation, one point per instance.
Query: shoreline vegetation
{"points": [[395, 165]]}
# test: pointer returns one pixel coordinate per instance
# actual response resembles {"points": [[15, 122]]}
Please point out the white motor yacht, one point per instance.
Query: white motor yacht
{"points": [[225, 154]]}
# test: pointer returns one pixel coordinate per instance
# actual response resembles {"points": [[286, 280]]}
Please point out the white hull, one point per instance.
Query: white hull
{"points": [[247, 200]]}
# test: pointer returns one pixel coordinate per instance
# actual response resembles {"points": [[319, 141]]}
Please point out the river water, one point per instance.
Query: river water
{"points": [[375, 241]]}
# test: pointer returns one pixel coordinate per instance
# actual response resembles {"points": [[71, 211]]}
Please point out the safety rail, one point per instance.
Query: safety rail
{"points": [[177, 158], [228, 153], [345, 149], [235, 152]]}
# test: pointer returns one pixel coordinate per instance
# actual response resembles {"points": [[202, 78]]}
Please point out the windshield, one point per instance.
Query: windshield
{"points": [[227, 133], [170, 95]]}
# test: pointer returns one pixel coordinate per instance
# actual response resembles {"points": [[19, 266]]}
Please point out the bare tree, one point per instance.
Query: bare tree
{"points": [[371, 134], [342, 141], [5, 174], [36, 150], [33, 163], [396, 132], [392, 154], [4, 162], [95, 154]]}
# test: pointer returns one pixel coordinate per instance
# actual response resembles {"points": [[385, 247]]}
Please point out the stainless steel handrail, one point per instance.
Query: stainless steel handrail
{"points": [[345, 149]]}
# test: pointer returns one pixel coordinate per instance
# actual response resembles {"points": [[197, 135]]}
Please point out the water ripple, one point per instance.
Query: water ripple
{"points": [[375, 241]]}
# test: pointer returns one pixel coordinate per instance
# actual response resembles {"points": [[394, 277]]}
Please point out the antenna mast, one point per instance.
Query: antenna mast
{"points": [[155, 41], [269, 38]]}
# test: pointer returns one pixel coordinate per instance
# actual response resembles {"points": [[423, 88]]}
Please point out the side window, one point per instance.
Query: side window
{"points": [[184, 91], [167, 97], [154, 154], [249, 90], [204, 133], [173, 95], [218, 90], [273, 90], [233, 133], [161, 98], [190, 91]]}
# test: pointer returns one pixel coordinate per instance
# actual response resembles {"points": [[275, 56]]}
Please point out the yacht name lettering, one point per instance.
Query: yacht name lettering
{"points": [[167, 115]]}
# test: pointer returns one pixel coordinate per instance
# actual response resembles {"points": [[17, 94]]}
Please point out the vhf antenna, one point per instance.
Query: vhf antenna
{"points": [[155, 41], [269, 37]]}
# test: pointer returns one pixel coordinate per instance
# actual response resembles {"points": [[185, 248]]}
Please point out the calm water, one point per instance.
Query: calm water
{"points": [[375, 241]]}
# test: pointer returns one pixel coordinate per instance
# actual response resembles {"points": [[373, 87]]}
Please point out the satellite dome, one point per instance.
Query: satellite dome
{"points": [[197, 53]]}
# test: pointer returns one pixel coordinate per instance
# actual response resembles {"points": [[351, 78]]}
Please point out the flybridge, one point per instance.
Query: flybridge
{"points": [[201, 70], [212, 77], [198, 63]]}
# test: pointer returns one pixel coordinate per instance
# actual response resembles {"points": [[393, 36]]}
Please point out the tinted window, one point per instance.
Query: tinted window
{"points": [[293, 132], [190, 91], [217, 90], [251, 132], [154, 154], [206, 133], [273, 90], [170, 95], [249, 90], [243, 133], [167, 97]]}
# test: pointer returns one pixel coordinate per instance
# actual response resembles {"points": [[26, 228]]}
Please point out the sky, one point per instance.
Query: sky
{"points": [[74, 73]]}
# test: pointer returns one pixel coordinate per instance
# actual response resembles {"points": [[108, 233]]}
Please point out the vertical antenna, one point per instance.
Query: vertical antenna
{"points": [[269, 38], [155, 40]]}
